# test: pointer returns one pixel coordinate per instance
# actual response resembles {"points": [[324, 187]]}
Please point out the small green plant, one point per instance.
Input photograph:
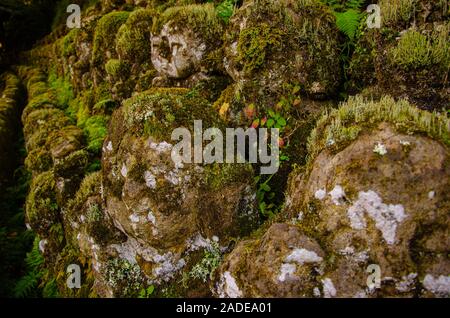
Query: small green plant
{"points": [[210, 261], [348, 15], [146, 292], [226, 9], [264, 195], [28, 285]]}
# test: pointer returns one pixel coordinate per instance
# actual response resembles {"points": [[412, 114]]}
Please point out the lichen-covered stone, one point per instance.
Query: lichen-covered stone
{"points": [[160, 204], [299, 45], [282, 263], [378, 198], [182, 39]]}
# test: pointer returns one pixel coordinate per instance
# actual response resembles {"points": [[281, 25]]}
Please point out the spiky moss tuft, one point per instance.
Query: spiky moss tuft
{"points": [[394, 11], [105, 33], [41, 207], [338, 128], [90, 186], [133, 38], [415, 50], [158, 111], [201, 19]]}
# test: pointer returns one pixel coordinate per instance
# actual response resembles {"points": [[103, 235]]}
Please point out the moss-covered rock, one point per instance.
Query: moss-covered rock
{"points": [[374, 193], [407, 57], [299, 45], [163, 204], [183, 37], [42, 211], [281, 263]]}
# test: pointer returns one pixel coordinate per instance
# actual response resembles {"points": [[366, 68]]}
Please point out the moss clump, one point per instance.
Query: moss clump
{"points": [[415, 50], [67, 47], [157, 112], [38, 160], [338, 128], [62, 90], [116, 68], [105, 33], [95, 128], [397, 10], [201, 19], [72, 164], [133, 38], [41, 207], [255, 42]]}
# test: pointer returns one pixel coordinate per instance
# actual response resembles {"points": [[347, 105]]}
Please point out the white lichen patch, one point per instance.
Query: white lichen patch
{"points": [[124, 171], [172, 177], [380, 149], [320, 194], [227, 287], [150, 180], [337, 195], [302, 256], [316, 292], [109, 146], [328, 288], [438, 286], [134, 218], [151, 218], [358, 257], [161, 147], [407, 283], [287, 271], [405, 143], [42, 244], [387, 217]]}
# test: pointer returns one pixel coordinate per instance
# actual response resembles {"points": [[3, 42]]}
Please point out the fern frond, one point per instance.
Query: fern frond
{"points": [[348, 22]]}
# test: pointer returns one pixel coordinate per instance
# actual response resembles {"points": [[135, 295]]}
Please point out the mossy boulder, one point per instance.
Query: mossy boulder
{"points": [[161, 204], [374, 192], [281, 263], [408, 56], [42, 211], [298, 45], [183, 38]]}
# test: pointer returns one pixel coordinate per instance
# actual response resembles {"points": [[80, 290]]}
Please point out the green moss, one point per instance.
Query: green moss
{"points": [[38, 160], [254, 43], [96, 130], [116, 68], [416, 50], [104, 107], [72, 165], [133, 38], [157, 112], [220, 175], [62, 90], [41, 207], [90, 186], [201, 19], [67, 45], [338, 128], [394, 11], [105, 33]]}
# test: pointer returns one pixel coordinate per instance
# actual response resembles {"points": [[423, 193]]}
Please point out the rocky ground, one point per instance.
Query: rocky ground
{"points": [[364, 127]]}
